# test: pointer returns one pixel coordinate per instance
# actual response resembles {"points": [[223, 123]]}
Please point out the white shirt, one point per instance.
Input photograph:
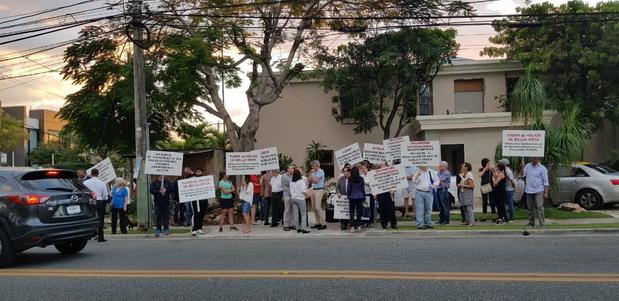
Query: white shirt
{"points": [[366, 182], [298, 189], [247, 194], [426, 181], [276, 183], [98, 187], [509, 176]]}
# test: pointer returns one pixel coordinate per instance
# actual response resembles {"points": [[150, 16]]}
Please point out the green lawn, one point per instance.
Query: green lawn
{"points": [[551, 213], [516, 227]]}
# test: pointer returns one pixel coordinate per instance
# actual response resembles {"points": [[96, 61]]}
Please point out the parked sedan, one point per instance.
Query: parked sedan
{"points": [[39, 208], [590, 185]]}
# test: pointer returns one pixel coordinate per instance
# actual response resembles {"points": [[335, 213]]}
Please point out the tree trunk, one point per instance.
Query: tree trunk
{"points": [[245, 136]]}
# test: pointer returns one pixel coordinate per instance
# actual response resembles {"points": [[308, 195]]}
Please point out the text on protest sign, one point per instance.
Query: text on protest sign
{"points": [[242, 163], [375, 153], [523, 143], [106, 170], [422, 153], [196, 188], [350, 154], [393, 147], [163, 163], [341, 207], [387, 179], [268, 159]]}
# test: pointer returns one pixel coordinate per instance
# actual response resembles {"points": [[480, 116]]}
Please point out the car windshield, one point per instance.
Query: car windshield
{"points": [[602, 169]]}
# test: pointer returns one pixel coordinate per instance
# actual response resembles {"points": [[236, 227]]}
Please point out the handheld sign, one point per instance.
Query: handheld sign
{"points": [[268, 159], [387, 179], [350, 154], [163, 163], [422, 153], [521, 143], [393, 147], [196, 188], [242, 163], [106, 170], [341, 207], [375, 153], [137, 167]]}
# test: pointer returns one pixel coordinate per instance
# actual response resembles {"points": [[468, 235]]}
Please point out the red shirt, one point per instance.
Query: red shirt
{"points": [[256, 181]]}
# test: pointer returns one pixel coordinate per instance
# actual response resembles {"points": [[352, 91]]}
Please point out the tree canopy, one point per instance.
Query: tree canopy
{"points": [[378, 81], [11, 131], [574, 56]]}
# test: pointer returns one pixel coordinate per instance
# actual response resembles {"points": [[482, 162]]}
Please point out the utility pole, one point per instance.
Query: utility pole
{"points": [[139, 100]]}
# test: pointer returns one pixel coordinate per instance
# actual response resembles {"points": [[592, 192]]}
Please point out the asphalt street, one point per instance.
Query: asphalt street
{"points": [[583, 267]]}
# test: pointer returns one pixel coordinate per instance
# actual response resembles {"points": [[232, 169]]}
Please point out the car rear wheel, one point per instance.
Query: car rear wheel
{"points": [[7, 253], [589, 199], [71, 247]]}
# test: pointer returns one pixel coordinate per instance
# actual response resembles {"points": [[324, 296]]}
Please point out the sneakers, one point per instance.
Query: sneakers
{"points": [[166, 232], [352, 230], [200, 232], [157, 233], [194, 233]]}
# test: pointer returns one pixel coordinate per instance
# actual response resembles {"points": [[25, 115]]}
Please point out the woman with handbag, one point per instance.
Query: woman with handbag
{"points": [[485, 173]]}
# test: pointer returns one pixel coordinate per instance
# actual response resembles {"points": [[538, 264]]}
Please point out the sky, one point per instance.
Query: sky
{"points": [[47, 91]]}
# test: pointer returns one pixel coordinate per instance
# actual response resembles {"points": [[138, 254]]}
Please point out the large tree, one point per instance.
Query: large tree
{"points": [[575, 56], [208, 39], [378, 81], [12, 131]]}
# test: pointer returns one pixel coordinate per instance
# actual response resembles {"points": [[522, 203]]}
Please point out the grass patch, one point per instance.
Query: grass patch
{"points": [[516, 227], [522, 214]]}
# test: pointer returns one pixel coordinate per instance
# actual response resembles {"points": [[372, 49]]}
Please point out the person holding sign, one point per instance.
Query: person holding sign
{"points": [[386, 206], [365, 169], [341, 188], [246, 194], [318, 185], [298, 190], [356, 196], [120, 199], [425, 183], [162, 190], [227, 201], [199, 209]]}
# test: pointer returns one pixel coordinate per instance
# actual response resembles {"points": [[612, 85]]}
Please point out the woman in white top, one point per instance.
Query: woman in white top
{"points": [[466, 193], [298, 191], [246, 193]]}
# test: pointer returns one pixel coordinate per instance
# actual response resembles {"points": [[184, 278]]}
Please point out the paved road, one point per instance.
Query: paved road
{"points": [[521, 268]]}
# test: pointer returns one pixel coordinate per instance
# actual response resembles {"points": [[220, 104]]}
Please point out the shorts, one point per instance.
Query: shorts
{"points": [[408, 193], [227, 203], [246, 207]]}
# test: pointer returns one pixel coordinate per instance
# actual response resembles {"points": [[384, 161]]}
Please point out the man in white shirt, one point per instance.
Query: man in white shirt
{"points": [[277, 195], [101, 195], [425, 183]]}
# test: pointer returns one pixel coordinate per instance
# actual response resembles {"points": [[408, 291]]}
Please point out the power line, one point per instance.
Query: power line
{"points": [[78, 13], [41, 12]]}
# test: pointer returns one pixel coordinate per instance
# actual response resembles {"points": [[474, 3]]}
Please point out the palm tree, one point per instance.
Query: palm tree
{"points": [[216, 139], [528, 99], [314, 151]]}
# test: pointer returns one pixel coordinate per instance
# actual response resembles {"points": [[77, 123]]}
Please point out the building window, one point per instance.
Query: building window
{"points": [[511, 78], [469, 96], [53, 136], [425, 101], [346, 112]]}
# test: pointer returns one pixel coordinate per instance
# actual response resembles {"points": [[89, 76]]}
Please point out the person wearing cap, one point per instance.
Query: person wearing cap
{"points": [[318, 185], [510, 184], [442, 191], [536, 189]]}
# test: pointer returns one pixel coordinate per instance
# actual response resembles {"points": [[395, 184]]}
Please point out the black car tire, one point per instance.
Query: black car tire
{"points": [[71, 247], [7, 253], [589, 199]]}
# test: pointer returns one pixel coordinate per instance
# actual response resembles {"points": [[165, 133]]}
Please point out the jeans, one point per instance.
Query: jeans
{"points": [[423, 208], [257, 202], [356, 211], [266, 208], [179, 213], [535, 203], [443, 205], [487, 199], [163, 219], [123, 220], [188, 213], [100, 218], [509, 202], [246, 207], [372, 210], [299, 208], [288, 216], [198, 214]]}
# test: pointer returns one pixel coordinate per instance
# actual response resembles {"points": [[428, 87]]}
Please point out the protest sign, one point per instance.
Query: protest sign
{"points": [[522, 143], [243, 163], [106, 170], [421, 153], [350, 154], [375, 153], [341, 207], [137, 167], [196, 188], [393, 147], [268, 159], [387, 179], [163, 163]]}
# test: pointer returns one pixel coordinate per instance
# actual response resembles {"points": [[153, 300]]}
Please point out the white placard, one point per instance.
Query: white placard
{"points": [[137, 167], [341, 207], [163, 163], [393, 147], [387, 179], [350, 154], [242, 163], [268, 159], [422, 153], [106, 170], [375, 153], [196, 188], [523, 143]]}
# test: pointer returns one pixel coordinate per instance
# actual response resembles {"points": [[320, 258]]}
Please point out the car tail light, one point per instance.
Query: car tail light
{"points": [[53, 173], [614, 181], [29, 199]]}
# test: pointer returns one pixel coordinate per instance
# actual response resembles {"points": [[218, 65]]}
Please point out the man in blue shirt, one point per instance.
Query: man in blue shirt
{"points": [[442, 191], [318, 185], [536, 189]]}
